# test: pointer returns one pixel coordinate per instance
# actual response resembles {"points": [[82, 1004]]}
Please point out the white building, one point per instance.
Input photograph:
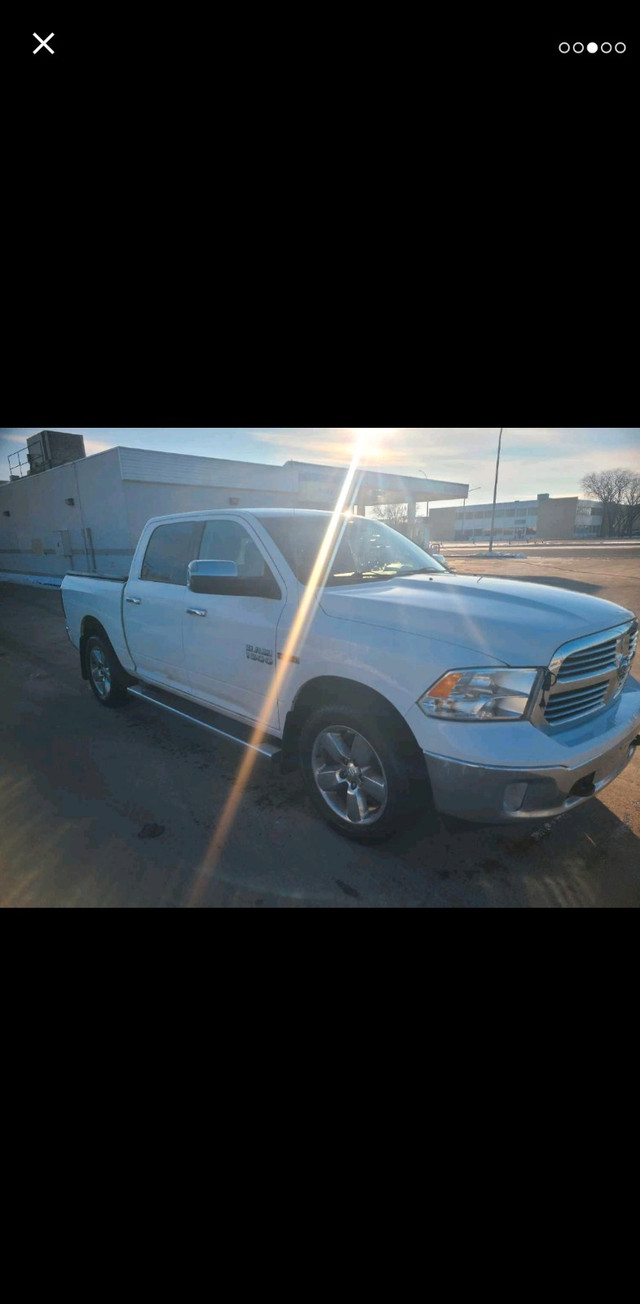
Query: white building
{"points": [[87, 515]]}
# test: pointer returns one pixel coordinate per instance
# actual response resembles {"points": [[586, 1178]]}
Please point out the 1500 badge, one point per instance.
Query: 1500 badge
{"points": [[259, 654]]}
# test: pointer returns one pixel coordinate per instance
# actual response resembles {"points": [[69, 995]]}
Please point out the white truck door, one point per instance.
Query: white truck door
{"points": [[155, 600], [230, 637]]}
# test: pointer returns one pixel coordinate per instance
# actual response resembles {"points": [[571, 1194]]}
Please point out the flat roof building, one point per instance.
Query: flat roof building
{"points": [[88, 514], [543, 517]]}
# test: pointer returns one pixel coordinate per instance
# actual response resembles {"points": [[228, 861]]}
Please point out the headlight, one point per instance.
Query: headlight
{"points": [[480, 695]]}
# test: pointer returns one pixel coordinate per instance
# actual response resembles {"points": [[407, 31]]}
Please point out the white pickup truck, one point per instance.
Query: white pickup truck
{"points": [[392, 682]]}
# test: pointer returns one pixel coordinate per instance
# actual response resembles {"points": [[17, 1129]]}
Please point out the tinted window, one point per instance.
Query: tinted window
{"points": [[229, 541], [171, 549], [368, 549]]}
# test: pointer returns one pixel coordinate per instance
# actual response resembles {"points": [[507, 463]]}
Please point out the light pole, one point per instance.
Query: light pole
{"points": [[495, 491], [426, 478], [464, 505]]}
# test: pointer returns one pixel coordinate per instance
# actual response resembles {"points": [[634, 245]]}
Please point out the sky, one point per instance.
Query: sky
{"points": [[534, 460]]}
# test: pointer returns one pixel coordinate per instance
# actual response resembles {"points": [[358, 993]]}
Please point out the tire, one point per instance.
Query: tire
{"points": [[106, 676], [364, 775]]}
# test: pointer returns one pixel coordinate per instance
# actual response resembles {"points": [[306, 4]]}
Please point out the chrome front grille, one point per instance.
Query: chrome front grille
{"points": [[587, 675], [590, 661], [566, 706]]}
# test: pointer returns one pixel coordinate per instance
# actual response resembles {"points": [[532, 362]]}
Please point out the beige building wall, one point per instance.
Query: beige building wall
{"points": [[557, 518], [443, 524]]}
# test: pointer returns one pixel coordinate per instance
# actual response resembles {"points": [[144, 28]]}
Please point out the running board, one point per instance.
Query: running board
{"points": [[206, 719]]}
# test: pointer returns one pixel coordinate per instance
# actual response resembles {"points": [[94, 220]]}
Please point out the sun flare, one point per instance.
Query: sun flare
{"points": [[372, 444], [295, 641]]}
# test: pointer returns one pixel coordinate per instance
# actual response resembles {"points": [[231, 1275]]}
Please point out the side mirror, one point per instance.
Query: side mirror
{"points": [[204, 576], [221, 578], [437, 556]]}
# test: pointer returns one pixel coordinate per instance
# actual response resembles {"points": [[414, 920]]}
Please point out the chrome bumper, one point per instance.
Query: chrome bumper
{"points": [[491, 795]]}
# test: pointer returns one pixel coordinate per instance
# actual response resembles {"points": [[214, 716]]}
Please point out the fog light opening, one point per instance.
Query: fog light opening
{"points": [[514, 796], [584, 787]]}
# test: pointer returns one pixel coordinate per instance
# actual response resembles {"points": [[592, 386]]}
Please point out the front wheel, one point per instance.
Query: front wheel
{"points": [[105, 673], [362, 777]]}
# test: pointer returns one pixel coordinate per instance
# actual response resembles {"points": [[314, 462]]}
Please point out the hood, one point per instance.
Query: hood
{"points": [[516, 623]]}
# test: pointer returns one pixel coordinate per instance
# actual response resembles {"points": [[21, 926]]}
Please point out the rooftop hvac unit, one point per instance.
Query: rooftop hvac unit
{"points": [[52, 448]]}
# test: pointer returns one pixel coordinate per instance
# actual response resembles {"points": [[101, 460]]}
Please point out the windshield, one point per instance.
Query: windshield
{"points": [[369, 550]]}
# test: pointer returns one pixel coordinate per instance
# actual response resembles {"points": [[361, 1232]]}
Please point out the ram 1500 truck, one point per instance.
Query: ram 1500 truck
{"points": [[392, 682]]}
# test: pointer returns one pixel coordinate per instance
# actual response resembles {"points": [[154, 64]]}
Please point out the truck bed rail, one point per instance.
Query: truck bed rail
{"points": [[95, 575]]}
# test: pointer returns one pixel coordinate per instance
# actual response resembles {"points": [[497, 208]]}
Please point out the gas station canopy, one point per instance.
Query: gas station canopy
{"points": [[319, 486]]}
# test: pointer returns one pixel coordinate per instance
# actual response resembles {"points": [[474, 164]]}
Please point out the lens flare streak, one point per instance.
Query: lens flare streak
{"points": [[295, 642]]}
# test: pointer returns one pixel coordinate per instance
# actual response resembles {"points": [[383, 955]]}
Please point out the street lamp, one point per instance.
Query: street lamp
{"points": [[464, 505], [495, 491]]}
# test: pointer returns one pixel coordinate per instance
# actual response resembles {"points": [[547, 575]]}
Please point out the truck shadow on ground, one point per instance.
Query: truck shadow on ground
{"points": [[585, 858], [92, 818], [588, 857]]}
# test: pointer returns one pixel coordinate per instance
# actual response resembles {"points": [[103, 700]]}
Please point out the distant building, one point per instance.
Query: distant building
{"points": [[543, 517]]}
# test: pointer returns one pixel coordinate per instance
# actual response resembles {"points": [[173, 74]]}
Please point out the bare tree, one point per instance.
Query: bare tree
{"points": [[395, 514], [631, 505], [610, 487]]}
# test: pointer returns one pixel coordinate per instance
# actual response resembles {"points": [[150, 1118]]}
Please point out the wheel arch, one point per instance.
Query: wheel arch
{"points": [[90, 626], [327, 690]]}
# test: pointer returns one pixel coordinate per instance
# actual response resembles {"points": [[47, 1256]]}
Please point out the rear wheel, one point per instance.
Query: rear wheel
{"points": [[362, 778], [106, 676]]}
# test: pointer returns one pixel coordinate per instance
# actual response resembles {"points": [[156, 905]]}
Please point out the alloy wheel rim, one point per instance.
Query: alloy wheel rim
{"points": [[100, 673], [350, 776]]}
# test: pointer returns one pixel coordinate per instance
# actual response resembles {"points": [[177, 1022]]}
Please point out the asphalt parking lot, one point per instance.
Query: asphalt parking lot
{"points": [[603, 572], [112, 809]]}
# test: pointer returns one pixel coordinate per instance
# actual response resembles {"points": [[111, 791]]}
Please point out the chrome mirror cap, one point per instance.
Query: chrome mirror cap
{"points": [[211, 570]]}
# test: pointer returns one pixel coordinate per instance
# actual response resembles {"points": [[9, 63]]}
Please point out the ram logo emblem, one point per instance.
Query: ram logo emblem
{"points": [[623, 665]]}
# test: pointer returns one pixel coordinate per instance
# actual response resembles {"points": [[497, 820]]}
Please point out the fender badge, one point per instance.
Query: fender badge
{"points": [[259, 654]]}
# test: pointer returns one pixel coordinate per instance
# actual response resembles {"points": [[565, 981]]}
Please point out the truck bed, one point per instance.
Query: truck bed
{"points": [[86, 595]]}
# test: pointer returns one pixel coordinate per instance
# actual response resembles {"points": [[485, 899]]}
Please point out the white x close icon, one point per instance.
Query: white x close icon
{"points": [[43, 43]]}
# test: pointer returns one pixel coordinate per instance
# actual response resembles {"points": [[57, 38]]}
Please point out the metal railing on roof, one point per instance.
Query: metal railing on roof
{"points": [[27, 461], [19, 464]]}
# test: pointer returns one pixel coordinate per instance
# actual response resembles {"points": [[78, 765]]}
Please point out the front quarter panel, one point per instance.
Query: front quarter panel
{"points": [[399, 666]]}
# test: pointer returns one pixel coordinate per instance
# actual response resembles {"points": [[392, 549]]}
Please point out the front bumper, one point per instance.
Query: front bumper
{"points": [[580, 764]]}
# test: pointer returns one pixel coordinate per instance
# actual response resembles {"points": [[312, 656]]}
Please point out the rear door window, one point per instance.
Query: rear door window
{"points": [[171, 549]]}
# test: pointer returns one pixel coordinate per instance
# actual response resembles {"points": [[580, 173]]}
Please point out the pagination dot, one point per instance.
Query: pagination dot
{"points": [[592, 47]]}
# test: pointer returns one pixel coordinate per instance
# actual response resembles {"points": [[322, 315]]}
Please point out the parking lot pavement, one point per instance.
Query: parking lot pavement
{"points": [[110, 809], [610, 571]]}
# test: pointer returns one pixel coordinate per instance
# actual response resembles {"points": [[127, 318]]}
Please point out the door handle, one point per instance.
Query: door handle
{"points": [[196, 611], [135, 602]]}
